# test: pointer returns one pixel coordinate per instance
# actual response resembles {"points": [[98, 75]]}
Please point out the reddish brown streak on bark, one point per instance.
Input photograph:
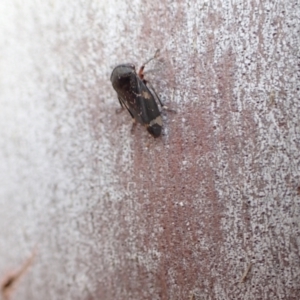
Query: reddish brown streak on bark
{"points": [[9, 282]]}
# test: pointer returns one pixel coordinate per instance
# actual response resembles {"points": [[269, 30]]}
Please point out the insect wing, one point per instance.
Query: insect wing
{"points": [[147, 105]]}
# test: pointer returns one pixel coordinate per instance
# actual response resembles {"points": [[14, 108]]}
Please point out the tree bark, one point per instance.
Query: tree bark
{"points": [[209, 210]]}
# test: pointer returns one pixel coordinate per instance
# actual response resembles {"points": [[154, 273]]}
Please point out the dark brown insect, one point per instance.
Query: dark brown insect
{"points": [[137, 96]]}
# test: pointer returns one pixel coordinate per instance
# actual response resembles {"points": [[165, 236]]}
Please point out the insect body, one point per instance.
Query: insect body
{"points": [[137, 97]]}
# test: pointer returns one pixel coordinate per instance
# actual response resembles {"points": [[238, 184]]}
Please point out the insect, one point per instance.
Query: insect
{"points": [[137, 96]]}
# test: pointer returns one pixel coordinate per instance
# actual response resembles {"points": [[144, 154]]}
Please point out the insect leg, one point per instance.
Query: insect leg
{"points": [[119, 110], [123, 104], [134, 123]]}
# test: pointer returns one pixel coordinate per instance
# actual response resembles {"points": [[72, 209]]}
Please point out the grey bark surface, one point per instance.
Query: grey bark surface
{"points": [[210, 210]]}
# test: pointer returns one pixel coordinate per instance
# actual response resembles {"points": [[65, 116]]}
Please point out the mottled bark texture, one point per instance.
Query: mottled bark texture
{"points": [[210, 210]]}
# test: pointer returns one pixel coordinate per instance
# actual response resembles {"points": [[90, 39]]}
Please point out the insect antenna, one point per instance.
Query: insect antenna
{"points": [[141, 71]]}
